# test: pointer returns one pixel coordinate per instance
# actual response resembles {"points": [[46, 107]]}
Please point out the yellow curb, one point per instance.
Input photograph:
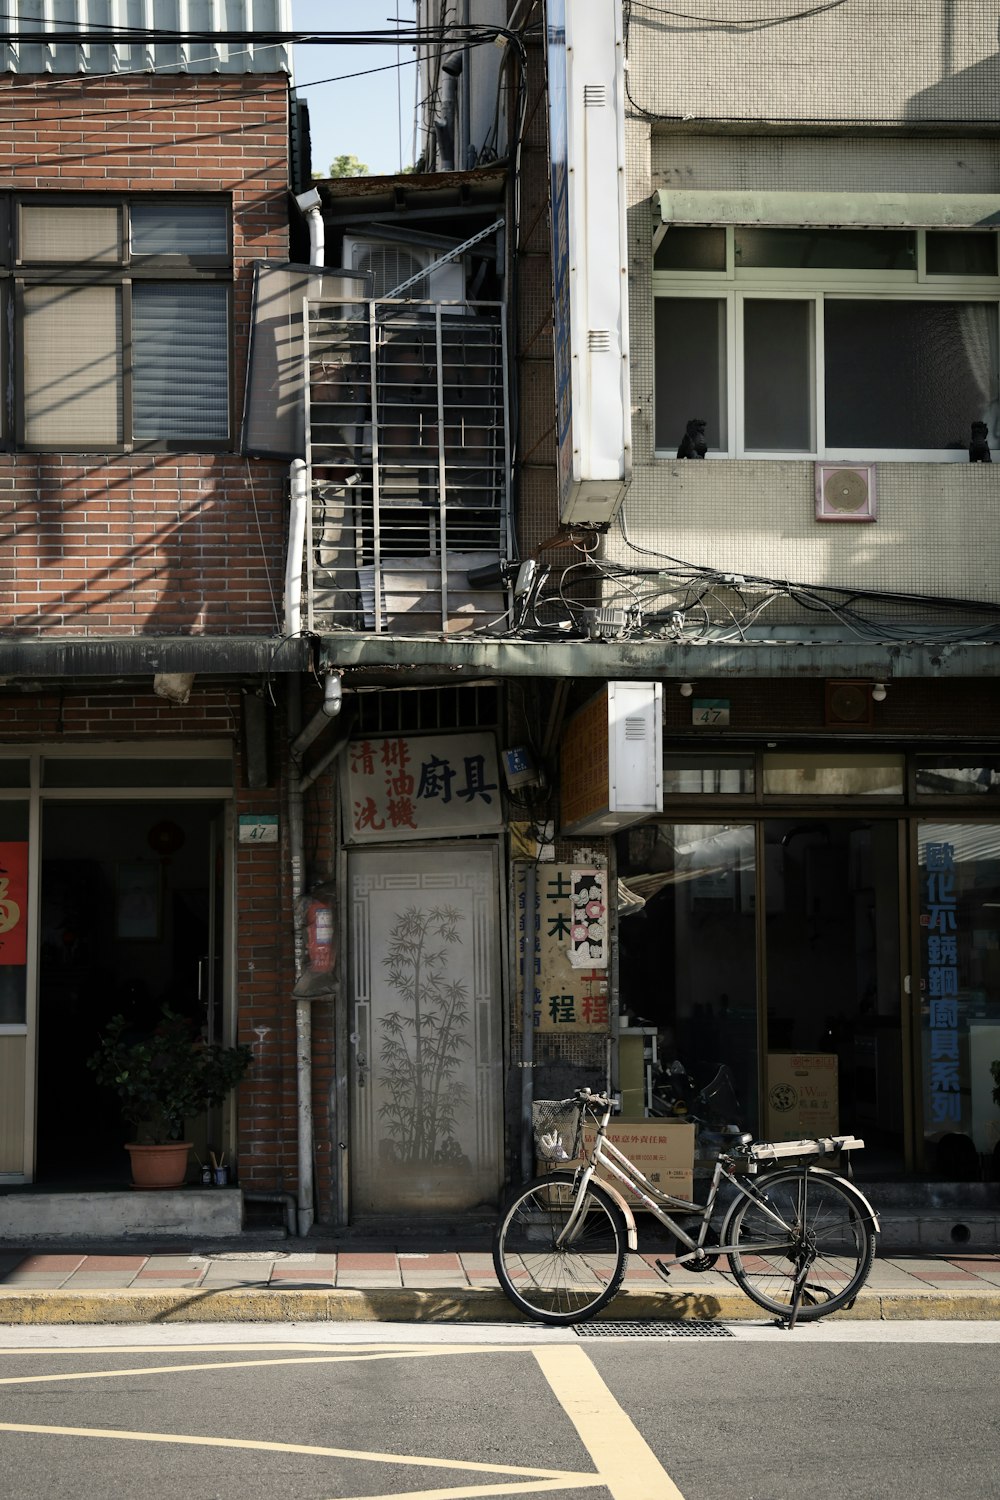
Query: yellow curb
{"points": [[144, 1305], [252, 1305]]}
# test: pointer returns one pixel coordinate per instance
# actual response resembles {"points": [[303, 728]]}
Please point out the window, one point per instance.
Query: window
{"points": [[830, 774], [122, 326], [827, 343]]}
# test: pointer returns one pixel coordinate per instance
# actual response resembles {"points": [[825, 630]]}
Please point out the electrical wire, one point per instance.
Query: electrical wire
{"points": [[751, 23]]}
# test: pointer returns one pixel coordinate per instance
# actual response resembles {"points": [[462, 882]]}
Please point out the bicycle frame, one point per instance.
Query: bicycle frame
{"points": [[607, 1154]]}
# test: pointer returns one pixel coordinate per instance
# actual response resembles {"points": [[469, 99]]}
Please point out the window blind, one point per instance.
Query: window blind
{"points": [[191, 229], [78, 234], [72, 365], [180, 375]]}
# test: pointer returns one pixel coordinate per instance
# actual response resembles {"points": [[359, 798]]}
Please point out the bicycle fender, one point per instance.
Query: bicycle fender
{"points": [[855, 1192], [849, 1187], [633, 1233]]}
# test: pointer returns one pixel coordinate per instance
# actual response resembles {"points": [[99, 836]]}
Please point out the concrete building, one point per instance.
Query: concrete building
{"points": [[803, 563]]}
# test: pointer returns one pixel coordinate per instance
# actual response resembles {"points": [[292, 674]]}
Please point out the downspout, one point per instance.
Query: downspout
{"points": [[309, 202], [298, 488], [528, 1022], [303, 1011], [298, 496]]}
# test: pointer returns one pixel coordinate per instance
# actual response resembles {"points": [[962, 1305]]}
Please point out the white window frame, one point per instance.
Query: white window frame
{"points": [[735, 285]]}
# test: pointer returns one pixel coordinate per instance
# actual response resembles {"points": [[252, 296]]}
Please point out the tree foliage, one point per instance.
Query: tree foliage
{"points": [[348, 166]]}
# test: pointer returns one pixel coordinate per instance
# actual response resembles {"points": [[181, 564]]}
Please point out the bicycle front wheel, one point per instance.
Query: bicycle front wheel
{"points": [[556, 1279], [819, 1220]]}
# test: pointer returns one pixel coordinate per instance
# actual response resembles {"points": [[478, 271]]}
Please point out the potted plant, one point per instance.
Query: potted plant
{"points": [[161, 1080]]}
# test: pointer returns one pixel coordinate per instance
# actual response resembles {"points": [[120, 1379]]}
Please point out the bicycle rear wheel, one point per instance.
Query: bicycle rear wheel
{"points": [[823, 1218], [553, 1282]]}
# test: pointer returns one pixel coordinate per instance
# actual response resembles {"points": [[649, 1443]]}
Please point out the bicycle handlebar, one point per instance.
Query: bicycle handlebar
{"points": [[587, 1096]]}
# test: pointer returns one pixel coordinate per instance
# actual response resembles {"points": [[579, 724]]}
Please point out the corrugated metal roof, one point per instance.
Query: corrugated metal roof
{"points": [[124, 19]]}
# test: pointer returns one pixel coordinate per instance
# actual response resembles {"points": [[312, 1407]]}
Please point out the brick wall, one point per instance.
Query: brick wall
{"points": [[267, 1153], [163, 543]]}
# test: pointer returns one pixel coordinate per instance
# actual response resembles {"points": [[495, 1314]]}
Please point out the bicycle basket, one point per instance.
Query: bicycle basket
{"points": [[558, 1129]]}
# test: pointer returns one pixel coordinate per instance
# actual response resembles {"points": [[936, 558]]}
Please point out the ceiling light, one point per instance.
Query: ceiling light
{"points": [[333, 694]]}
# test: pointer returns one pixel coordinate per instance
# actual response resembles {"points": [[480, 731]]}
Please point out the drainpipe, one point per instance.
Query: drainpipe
{"points": [[287, 1200], [528, 1023], [309, 203], [298, 489], [298, 495], [303, 1013]]}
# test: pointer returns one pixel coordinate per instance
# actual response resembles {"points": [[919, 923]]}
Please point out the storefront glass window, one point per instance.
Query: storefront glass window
{"points": [[833, 775], [700, 773], [960, 995], [958, 776], [688, 959]]}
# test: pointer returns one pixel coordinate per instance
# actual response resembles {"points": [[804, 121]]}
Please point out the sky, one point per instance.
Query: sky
{"points": [[369, 117]]}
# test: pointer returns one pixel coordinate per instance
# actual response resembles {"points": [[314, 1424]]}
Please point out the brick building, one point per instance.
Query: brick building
{"points": [[143, 635]]}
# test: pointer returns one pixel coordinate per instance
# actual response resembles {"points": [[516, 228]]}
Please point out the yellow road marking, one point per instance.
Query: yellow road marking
{"points": [[562, 1477], [624, 1460], [248, 1346], [233, 1364], [471, 1492]]}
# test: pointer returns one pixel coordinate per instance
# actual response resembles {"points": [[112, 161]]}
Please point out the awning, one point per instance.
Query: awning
{"points": [[827, 210]]}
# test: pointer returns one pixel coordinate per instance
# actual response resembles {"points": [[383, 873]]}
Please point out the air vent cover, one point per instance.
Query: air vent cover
{"points": [[845, 492], [849, 704]]}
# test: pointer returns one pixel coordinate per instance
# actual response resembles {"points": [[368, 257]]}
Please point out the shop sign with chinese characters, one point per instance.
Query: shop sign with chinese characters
{"points": [[940, 920], [13, 904], [420, 786], [571, 958]]}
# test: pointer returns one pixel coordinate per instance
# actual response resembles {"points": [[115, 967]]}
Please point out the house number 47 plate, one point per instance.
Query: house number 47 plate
{"points": [[710, 711], [260, 828]]}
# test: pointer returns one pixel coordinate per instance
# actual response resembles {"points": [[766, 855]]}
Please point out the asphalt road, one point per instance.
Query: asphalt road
{"points": [[341, 1412]]}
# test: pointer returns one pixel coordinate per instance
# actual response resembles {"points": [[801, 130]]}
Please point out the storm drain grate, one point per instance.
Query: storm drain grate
{"points": [[687, 1328]]}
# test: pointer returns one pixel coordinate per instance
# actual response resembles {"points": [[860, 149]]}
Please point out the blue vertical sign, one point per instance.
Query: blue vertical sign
{"points": [[941, 918]]}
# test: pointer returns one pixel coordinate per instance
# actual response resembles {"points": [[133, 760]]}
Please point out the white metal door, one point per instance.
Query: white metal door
{"points": [[426, 1064]]}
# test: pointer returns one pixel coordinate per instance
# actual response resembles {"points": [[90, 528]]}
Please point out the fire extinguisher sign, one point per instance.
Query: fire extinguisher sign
{"points": [[258, 828]]}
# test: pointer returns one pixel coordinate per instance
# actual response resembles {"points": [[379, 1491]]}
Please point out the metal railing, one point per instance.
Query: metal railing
{"points": [[407, 452]]}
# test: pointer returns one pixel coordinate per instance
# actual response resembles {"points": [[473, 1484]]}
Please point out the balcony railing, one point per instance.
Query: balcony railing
{"points": [[407, 456]]}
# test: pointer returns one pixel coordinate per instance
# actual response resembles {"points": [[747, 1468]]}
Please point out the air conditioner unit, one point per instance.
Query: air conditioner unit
{"points": [[390, 264], [611, 759], [845, 492]]}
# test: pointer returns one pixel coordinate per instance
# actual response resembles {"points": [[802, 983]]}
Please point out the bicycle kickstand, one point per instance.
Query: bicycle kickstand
{"points": [[798, 1287]]}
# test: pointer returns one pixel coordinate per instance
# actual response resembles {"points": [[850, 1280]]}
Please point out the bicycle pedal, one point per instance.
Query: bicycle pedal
{"points": [[661, 1269]]}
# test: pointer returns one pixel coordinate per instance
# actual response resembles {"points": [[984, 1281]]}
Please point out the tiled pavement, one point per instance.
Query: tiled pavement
{"points": [[401, 1271]]}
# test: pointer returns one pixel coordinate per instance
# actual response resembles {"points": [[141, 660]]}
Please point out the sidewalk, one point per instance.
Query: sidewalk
{"points": [[130, 1284]]}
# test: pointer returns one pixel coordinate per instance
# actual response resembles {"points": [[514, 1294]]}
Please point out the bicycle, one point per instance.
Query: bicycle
{"points": [[799, 1239]]}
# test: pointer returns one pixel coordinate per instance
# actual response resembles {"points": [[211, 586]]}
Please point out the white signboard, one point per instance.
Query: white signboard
{"points": [[585, 74], [420, 787]]}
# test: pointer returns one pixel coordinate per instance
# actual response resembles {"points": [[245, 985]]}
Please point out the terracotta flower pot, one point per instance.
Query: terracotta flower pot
{"points": [[162, 1166]]}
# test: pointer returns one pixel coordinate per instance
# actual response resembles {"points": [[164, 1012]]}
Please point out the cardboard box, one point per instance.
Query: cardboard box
{"points": [[663, 1150], [802, 1095]]}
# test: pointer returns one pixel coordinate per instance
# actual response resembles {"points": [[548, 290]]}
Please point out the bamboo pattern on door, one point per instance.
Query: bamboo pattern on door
{"points": [[426, 1052]]}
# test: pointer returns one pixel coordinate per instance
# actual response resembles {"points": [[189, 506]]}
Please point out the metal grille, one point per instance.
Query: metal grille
{"points": [[408, 461], [425, 710], [691, 1328]]}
